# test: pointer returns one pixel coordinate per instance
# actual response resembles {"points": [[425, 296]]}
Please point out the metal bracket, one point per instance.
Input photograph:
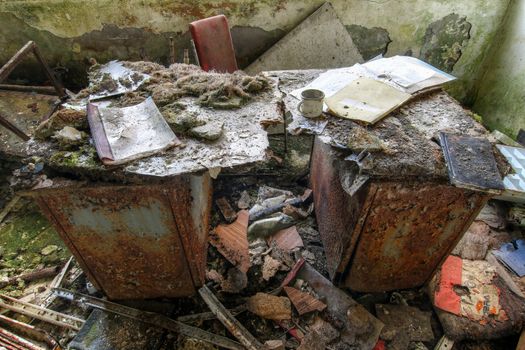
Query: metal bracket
{"points": [[7, 68]]}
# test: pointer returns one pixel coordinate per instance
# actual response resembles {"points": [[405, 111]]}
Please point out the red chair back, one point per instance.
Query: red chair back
{"points": [[213, 43]]}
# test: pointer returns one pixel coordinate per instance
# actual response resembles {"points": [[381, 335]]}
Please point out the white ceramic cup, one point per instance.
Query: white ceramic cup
{"points": [[311, 105]]}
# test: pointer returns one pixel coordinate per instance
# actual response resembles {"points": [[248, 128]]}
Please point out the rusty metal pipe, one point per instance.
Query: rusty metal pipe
{"points": [[45, 90], [7, 345], [58, 86], [19, 341], [15, 60], [13, 128], [31, 331], [20, 55]]}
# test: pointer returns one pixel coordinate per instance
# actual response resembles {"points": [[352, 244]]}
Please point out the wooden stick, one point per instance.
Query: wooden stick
{"points": [[230, 322], [33, 275], [8, 207]]}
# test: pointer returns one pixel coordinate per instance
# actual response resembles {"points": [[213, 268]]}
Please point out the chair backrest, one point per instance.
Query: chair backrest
{"points": [[213, 43]]}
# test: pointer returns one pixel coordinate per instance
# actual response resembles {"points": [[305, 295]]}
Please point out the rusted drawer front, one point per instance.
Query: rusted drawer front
{"points": [[136, 242], [408, 231]]}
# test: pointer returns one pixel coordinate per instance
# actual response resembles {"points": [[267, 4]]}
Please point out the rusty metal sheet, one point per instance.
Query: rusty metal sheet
{"points": [[136, 241], [408, 230]]}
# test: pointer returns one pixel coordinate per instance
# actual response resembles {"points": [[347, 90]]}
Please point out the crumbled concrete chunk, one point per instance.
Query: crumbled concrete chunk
{"points": [[210, 131], [270, 306]]}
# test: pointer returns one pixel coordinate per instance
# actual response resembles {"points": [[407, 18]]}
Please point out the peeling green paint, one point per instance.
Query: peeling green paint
{"points": [[370, 42], [445, 40]]}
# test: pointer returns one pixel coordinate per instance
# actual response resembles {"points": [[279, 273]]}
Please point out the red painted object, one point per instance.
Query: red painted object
{"points": [[214, 45]]}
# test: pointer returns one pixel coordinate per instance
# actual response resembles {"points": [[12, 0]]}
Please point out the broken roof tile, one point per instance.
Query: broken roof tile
{"points": [[287, 239], [304, 302], [232, 242]]}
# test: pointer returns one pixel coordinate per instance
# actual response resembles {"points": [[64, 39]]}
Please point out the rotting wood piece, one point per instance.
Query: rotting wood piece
{"points": [[149, 318], [32, 276], [13, 128], [226, 210], [232, 241], [228, 320]]}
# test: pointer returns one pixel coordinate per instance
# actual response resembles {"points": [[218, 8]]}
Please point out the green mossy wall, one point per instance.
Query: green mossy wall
{"points": [[501, 95], [71, 32]]}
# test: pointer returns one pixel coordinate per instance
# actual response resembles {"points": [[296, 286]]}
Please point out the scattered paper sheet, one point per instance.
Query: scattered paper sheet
{"points": [[408, 73], [366, 100], [129, 133], [399, 70], [481, 302]]}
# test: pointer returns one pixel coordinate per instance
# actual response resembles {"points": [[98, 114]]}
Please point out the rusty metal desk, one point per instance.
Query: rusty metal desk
{"points": [[387, 219]]}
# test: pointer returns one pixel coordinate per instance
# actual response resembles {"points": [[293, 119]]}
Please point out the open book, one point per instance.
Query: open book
{"points": [[376, 88], [125, 134]]}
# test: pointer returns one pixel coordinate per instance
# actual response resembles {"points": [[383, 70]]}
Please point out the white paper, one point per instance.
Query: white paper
{"points": [[401, 70], [333, 80]]}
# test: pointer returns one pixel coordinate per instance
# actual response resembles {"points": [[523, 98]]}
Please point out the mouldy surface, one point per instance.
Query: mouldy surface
{"points": [[23, 236]]}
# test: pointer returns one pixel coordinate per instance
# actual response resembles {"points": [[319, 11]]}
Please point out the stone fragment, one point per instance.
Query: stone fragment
{"points": [[48, 250], [256, 250], [235, 282], [68, 136], [404, 324], [213, 275], [60, 119], [270, 306], [274, 345], [181, 121], [270, 267], [210, 131], [474, 243], [319, 335], [245, 201]]}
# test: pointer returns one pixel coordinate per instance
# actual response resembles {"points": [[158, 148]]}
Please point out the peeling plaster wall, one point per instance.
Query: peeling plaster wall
{"points": [[501, 96], [70, 32]]}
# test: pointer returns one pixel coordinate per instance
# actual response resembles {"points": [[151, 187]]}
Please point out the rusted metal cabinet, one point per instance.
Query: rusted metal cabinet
{"points": [[385, 235], [135, 241]]}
